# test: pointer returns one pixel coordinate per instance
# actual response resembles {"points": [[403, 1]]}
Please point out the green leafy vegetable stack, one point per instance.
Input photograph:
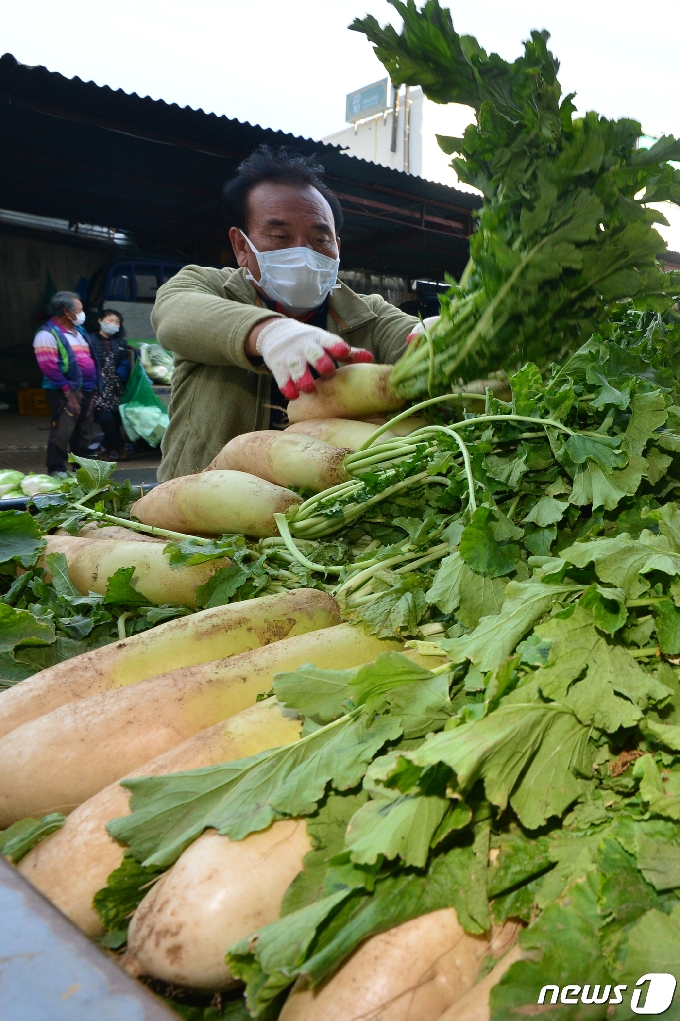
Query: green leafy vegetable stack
{"points": [[536, 774], [564, 231]]}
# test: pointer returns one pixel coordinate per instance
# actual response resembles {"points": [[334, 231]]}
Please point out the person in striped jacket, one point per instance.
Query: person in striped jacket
{"points": [[71, 376]]}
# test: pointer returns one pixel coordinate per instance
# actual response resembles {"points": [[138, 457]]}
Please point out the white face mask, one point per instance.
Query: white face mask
{"points": [[109, 328], [79, 319], [298, 278]]}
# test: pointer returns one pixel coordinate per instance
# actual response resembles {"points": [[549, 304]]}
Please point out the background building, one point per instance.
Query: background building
{"points": [[408, 141]]}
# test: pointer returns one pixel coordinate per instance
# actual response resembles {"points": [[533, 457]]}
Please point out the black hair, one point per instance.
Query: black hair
{"points": [[61, 301], [113, 311], [284, 166]]}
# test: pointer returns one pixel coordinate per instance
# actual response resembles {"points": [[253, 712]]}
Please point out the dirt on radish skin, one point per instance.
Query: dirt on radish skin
{"points": [[216, 893]]}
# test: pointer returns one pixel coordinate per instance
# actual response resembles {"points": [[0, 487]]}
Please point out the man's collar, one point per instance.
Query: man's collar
{"points": [[348, 309]]}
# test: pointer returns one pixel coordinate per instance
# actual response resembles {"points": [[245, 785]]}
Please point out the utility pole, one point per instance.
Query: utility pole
{"points": [[407, 127], [395, 117]]}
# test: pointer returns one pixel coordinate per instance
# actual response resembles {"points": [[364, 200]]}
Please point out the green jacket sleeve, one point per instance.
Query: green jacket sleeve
{"points": [[193, 319], [390, 330]]}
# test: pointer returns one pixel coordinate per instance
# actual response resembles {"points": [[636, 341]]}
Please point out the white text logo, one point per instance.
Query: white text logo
{"points": [[656, 990]]}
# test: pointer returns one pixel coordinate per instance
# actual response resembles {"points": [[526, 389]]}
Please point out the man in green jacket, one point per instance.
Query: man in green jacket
{"points": [[280, 314]]}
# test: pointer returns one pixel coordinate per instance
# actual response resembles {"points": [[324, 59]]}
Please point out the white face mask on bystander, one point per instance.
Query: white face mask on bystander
{"points": [[109, 328], [79, 319], [298, 278]]}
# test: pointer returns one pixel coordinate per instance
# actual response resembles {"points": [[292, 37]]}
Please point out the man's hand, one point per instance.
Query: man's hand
{"points": [[289, 348], [73, 403], [422, 327]]}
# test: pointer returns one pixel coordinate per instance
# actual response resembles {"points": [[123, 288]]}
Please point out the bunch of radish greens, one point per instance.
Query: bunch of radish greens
{"points": [[564, 231], [536, 775]]}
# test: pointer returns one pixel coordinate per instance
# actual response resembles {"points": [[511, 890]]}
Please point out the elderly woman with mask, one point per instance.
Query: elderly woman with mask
{"points": [[246, 340], [71, 377], [113, 356]]}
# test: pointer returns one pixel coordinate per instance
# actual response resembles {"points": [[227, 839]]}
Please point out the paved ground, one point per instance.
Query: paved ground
{"points": [[23, 443]]}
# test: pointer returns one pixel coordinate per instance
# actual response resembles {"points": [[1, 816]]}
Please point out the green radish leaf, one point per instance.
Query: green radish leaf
{"points": [[480, 549], [19, 628], [39, 657], [18, 840], [445, 591], [624, 897], [322, 695], [168, 813], [540, 540], [125, 888], [603, 450], [593, 488], [190, 551], [668, 627], [480, 596], [508, 470], [608, 607], [607, 394], [386, 677], [659, 862], [648, 415], [92, 474], [519, 861], [326, 831], [396, 611], [222, 586], [661, 794], [547, 511], [76, 627], [527, 390], [527, 750], [562, 942], [21, 540], [669, 736], [668, 517], [12, 671], [620, 561], [614, 691], [654, 945], [159, 614], [58, 567], [494, 638], [119, 591], [394, 825]]}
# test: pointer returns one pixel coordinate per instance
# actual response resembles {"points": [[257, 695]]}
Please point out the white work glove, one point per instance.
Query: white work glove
{"points": [[422, 327], [289, 348]]}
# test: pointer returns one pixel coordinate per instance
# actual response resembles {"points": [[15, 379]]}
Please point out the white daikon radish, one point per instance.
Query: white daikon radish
{"points": [[284, 458], [353, 391], [215, 503], [216, 893]]}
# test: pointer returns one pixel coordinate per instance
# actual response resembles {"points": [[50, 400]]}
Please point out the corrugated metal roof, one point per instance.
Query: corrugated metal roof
{"points": [[86, 152]]}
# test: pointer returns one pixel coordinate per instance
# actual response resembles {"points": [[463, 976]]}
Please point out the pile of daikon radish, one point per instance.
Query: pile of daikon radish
{"points": [[184, 695]]}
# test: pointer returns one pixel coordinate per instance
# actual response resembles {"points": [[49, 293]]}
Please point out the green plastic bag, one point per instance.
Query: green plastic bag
{"points": [[143, 414]]}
